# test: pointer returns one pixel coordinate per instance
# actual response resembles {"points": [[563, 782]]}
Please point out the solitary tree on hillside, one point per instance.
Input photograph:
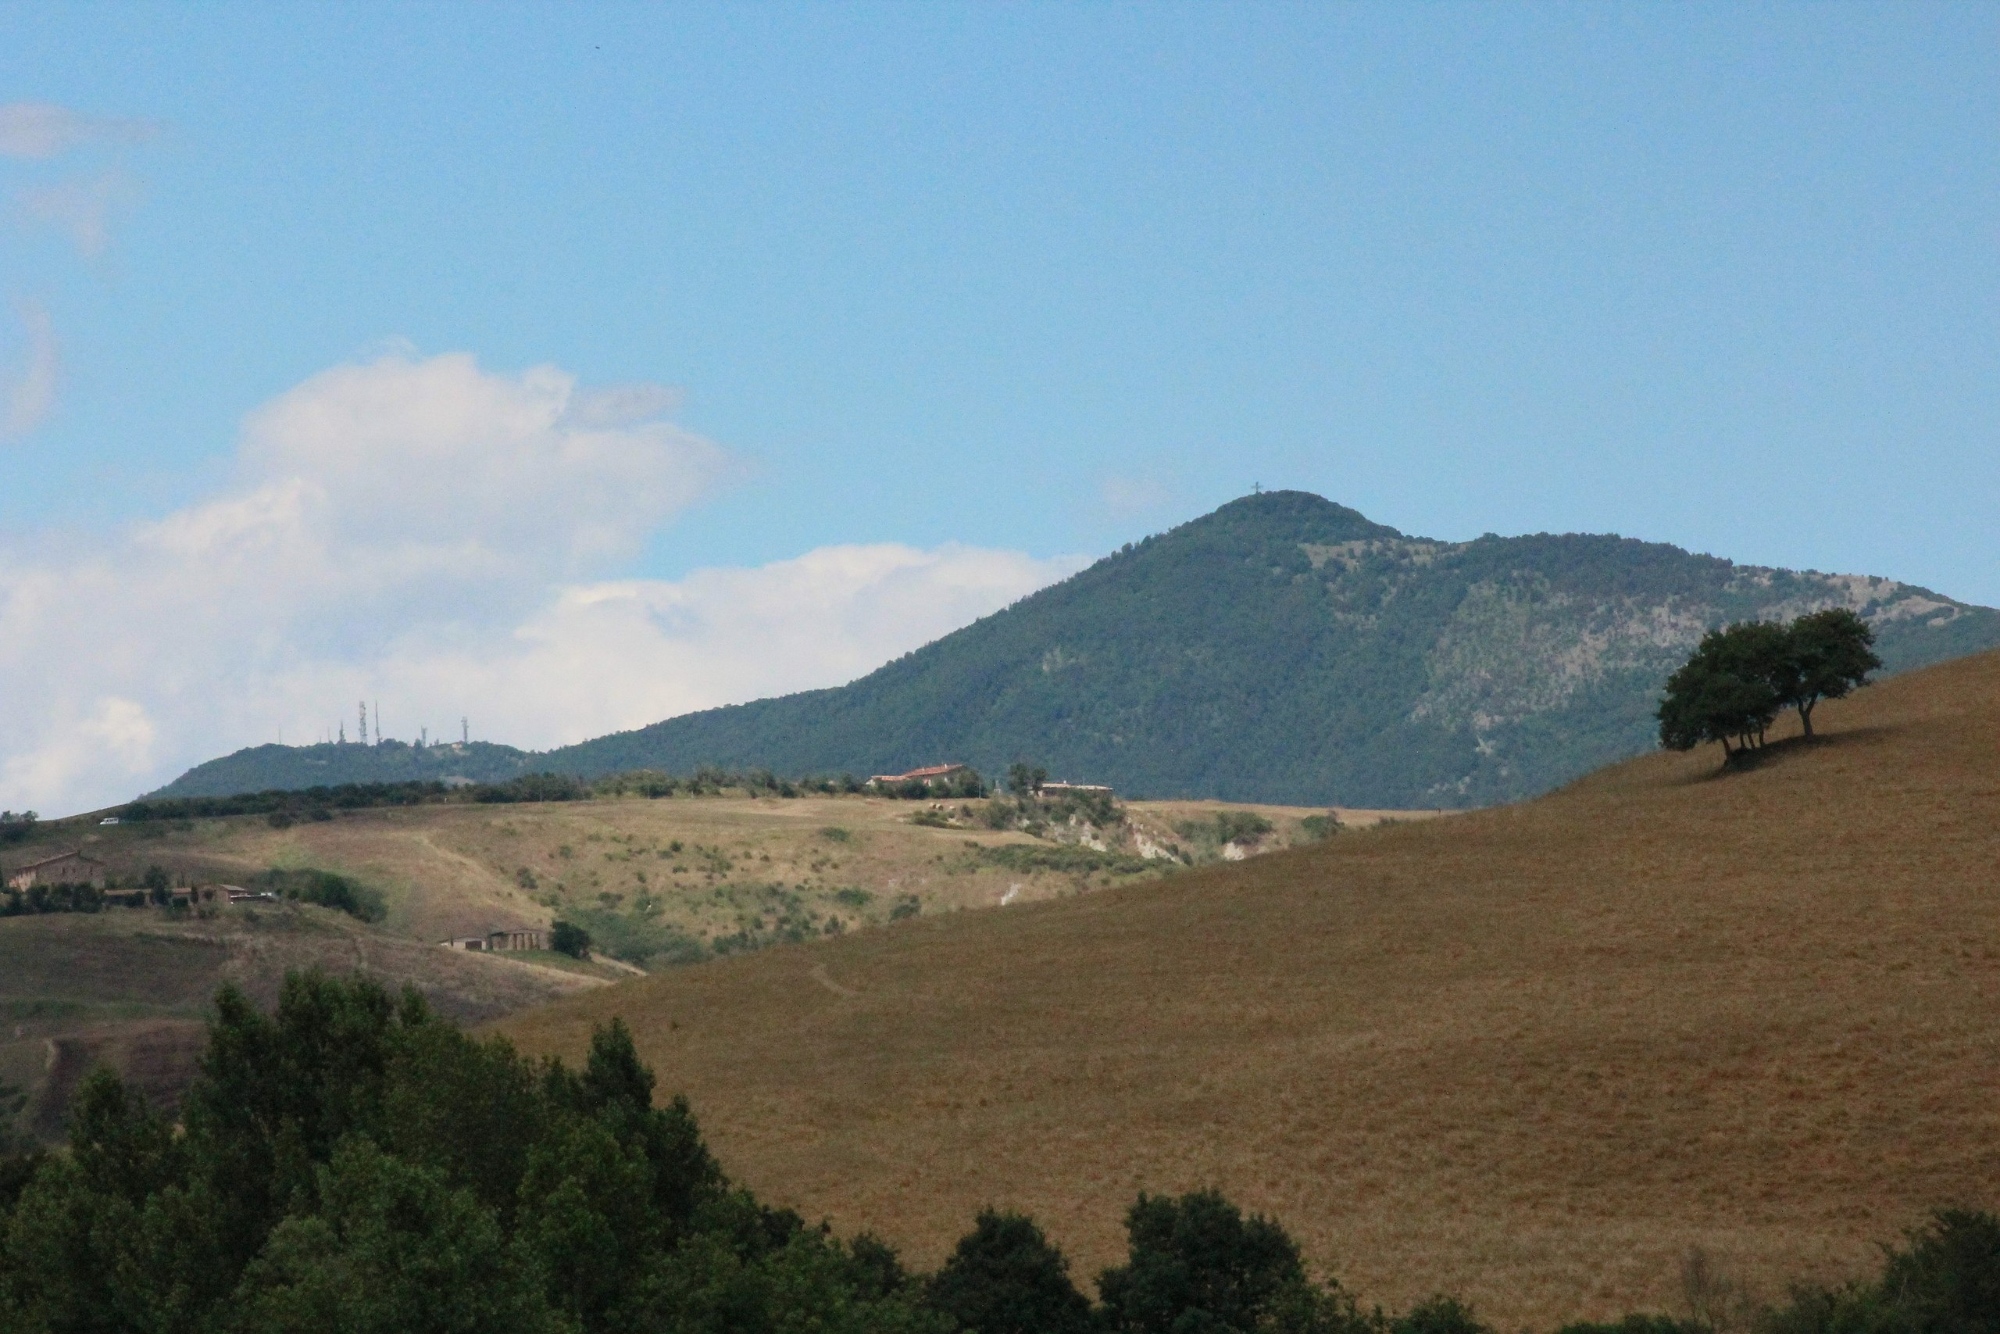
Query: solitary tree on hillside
{"points": [[1831, 653], [1737, 679]]}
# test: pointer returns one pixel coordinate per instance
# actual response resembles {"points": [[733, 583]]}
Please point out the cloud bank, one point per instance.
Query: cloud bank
{"points": [[37, 131], [444, 539]]}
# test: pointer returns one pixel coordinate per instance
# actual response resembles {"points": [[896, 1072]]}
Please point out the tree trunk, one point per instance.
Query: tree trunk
{"points": [[1805, 715]]}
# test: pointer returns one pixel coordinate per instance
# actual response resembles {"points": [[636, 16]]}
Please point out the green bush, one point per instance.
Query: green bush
{"points": [[571, 939], [1060, 857], [637, 940], [1319, 828], [326, 889]]}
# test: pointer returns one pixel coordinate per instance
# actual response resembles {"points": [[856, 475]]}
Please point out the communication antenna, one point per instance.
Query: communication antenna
{"points": [[362, 710], [343, 734], [378, 722], [464, 731]]}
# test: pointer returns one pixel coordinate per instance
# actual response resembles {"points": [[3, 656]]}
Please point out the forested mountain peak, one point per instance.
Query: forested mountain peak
{"points": [[1286, 648]]}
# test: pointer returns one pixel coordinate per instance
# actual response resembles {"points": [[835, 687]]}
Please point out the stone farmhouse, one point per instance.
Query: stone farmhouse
{"points": [[935, 773], [64, 868]]}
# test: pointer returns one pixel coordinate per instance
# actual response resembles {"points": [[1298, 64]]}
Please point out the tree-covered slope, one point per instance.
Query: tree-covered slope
{"points": [[1286, 649]]}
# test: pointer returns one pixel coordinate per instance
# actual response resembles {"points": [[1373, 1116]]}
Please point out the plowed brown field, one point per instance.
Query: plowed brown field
{"points": [[1529, 1055]]}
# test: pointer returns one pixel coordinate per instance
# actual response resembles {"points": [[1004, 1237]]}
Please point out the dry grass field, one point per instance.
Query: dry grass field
{"points": [[1529, 1055], [128, 987], [704, 866]]}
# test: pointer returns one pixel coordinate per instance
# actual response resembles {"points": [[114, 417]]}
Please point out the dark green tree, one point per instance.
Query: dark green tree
{"points": [[1197, 1266], [390, 1248], [1829, 654], [1005, 1278], [1024, 780], [1724, 691], [571, 939], [1945, 1280]]}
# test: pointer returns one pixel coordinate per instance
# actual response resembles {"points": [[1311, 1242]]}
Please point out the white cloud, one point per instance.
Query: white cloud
{"points": [[439, 537], [41, 130], [81, 208], [602, 657], [28, 395]]}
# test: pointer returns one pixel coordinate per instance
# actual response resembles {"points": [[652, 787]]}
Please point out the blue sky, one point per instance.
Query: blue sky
{"points": [[1023, 280]]}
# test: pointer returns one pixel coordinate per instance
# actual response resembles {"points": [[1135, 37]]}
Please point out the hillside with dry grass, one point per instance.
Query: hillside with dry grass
{"points": [[1531, 1054], [660, 882]]}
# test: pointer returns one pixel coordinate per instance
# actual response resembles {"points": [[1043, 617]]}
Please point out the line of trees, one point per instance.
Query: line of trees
{"points": [[1740, 677], [353, 1164], [288, 806]]}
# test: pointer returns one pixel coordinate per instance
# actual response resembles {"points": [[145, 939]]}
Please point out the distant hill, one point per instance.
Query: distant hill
{"points": [[1281, 649], [328, 764]]}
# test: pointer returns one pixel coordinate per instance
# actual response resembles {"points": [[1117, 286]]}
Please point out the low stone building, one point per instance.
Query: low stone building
{"points": [[493, 942], [64, 868]]}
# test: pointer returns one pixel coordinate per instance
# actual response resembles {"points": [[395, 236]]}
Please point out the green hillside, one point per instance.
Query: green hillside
{"points": [[1286, 649], [331, 764]]}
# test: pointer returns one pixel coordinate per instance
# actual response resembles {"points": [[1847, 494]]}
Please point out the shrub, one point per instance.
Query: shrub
{"points": [[326, 889], [1439, 1315], [1236, 826], [571, 939], [1320, 827]]}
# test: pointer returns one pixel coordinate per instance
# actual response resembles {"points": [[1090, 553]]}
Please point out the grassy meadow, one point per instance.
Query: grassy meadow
{"points": [[1532, 1054]]}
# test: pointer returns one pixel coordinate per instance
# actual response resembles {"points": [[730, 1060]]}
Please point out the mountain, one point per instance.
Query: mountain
{"points": [[1530, 1055], [1281, 649]]}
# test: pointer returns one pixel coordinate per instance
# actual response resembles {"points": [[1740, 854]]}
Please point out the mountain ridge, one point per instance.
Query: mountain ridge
{"points": [[1281, 648]]}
